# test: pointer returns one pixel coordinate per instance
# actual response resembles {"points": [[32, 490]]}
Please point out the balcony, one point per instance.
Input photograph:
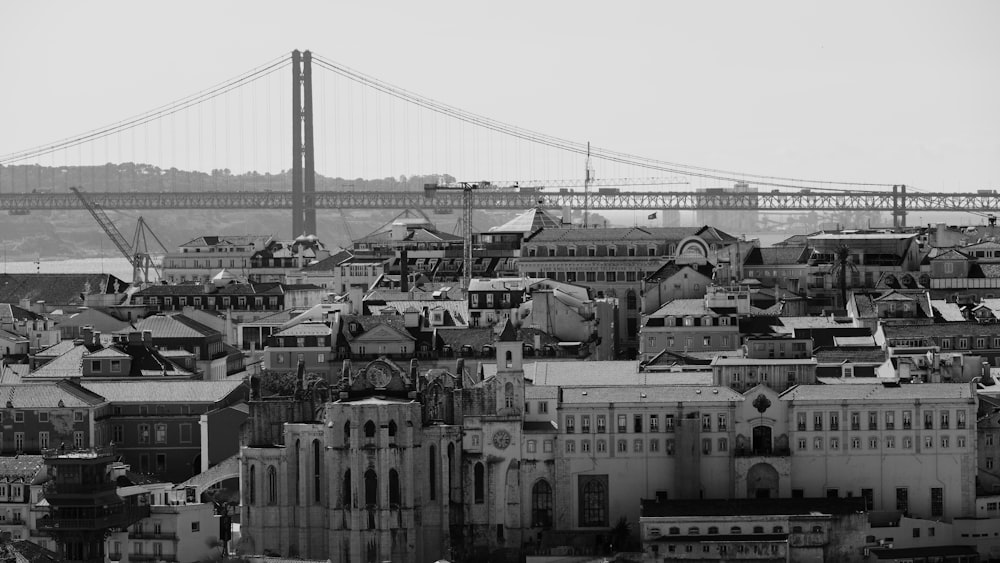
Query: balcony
{"points": [[128, 516], [762, 452], [171, 536]]}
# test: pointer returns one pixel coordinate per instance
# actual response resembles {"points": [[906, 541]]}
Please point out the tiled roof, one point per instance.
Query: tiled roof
{"points": [[306, 329], [853, 354], [632, 394], [369, 322], [174, 391], [54, 289], [614, 234], [777, 256], [21, 468], [233, 289], [107, 353], [878, 392], [539, 426], [47, 395], [859, 341], [171, 326], [749, 507], [742, 361], [57, 349], [226, 240], [951, 254], [681, 308], [529, 222], [601, 374], [10, 311], [479, 337], [671, 268], [949, 312], [412, 235], [942, 330], [67, 364]]}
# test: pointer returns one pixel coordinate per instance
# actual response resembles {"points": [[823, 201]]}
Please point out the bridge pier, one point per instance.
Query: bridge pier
{"points": [[303, 161]]}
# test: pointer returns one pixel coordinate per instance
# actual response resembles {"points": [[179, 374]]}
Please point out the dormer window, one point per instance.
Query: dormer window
{"points": [[571, 251]]}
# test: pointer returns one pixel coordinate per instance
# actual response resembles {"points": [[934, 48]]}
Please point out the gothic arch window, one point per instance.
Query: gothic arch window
{"points": [[394, 496], [253, 484], [345, 490], [541, 504], [508, 393], [630, 301], [295, 468], [317, 466], [347, 433], [479, 483], [509, 357], [392, 429], [594, 501], [369, 433], [371, 488], [432, 472], [272, 485]]}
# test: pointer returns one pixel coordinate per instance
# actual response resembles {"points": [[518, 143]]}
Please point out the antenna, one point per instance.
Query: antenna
{"points": [[587, 178]]}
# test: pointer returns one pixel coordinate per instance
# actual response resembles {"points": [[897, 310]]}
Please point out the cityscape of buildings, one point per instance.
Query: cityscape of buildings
{"points": [[640, 393]]}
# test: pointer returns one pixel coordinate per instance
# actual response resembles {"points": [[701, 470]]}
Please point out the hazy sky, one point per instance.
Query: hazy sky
{"points": [[894, 92]]}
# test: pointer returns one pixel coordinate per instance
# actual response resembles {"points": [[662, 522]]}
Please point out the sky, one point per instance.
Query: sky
{"points": [[883, 92]]}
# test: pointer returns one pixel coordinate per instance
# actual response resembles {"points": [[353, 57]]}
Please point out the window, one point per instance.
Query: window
{"points": [[432, 474], [890, 442], [960, 417], [570, 424], [937, 501], [532, 446], [817, 421], [479, 487], [654, 423], [723, 423], [585, 424], [195, 527], [185, 433], [872, 443], [602, 446], [593, 501], [706, 422], [902, 499], [543, 407], [961, 442], [668, 423], [570, 446], [706, 446], [547, 446], [118, 433], [161, 433], [907, 442], [834, 443], [834, 421], [945, 442], [723, 445], [890, 420], [585, 446], [601, 424], [272, 485], [78, 440], [637, 423], [907, 420], [43, 440], [800, 421], [637, 446], [855, 443], [161, 463], [622, 446], [872, 420], [622, 424], [855, 421], [541, 504], [802, 443], [945, 420], [817, 443], [654, 445], [928, 442]]}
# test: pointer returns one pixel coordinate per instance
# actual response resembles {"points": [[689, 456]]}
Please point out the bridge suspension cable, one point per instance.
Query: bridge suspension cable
{"points": [[141, 119], [572, 146]]}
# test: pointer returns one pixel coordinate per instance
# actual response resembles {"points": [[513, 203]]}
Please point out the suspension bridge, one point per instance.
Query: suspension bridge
{"points": [[227, 147]]}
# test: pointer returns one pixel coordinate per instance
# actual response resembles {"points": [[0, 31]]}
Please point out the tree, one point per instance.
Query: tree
{"points": [[841, 264], [621, 534]]}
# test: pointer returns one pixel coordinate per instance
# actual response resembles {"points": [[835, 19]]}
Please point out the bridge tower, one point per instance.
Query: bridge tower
{"points": [[899, 207], [303, 161]]}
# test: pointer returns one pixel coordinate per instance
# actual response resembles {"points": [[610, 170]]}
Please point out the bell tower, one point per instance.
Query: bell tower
{"points": [[510, 372]]}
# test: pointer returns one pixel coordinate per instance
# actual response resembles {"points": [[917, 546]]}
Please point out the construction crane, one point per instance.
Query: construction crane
{"points": [[137, 253], [467, 188]]}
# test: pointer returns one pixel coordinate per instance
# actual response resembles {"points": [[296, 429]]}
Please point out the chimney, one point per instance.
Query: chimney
{"points": [[398, 231], [97, 338], [87, 333], [135, 337], [254, 388], [404, 271], [147, 337]]}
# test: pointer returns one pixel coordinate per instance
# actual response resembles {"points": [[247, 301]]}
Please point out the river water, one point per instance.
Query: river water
{"points": [[118, 267]]}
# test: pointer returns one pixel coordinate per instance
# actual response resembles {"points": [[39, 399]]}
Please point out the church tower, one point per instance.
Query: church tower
{"points": [[510, 375]]}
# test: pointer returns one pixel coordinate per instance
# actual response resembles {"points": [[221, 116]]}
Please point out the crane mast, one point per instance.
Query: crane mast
{"points": [[137, 253]]}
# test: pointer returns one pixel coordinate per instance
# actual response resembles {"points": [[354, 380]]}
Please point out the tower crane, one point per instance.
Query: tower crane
{"points": [[137, 253]]}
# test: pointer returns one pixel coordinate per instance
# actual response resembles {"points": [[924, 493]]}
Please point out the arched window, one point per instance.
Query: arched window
{"points": [[317, 467], [735, 530], [508, 392], [253, 485], [595, 503], [778, 530], [369, 429], [479, 485], [817, 529], [509, 356], [674, 531], [758, 529], [347, 433], [713, 530], [693, 531], [345, 490], [432, 472], [454, 484], [272, 485], [371, 488], [296, 477], [541, 504], [630, 301], [394, 496], [392, 429]]}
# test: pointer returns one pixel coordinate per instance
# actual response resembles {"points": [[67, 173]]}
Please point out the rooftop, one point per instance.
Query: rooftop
{"points": [[638, 394], [879, 392], [174, 391], [749, 507]]}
